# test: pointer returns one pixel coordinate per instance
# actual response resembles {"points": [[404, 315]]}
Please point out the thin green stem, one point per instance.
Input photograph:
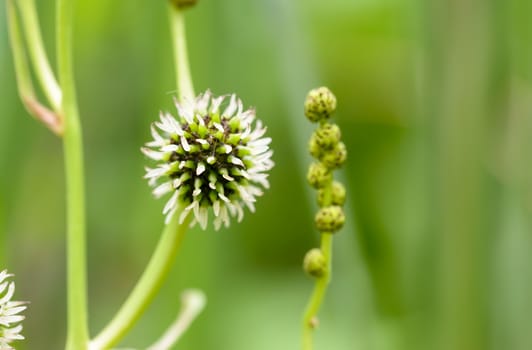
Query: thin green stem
{"points": [[309, 319], [38, 55], [173, 234], [77, 329], [24, 84], [147, 287], [192, 303], [185, 88], [23, 75]]}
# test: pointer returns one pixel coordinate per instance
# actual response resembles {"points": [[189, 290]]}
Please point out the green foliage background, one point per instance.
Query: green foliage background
{"points": [[435, 104]]}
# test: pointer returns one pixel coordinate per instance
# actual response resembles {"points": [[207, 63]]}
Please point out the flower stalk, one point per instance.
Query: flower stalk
{"points": [[77, 328], [26, 91], [193, 302], [310, 320], [38, 56], [173, 233], [330, 153], [185, 89], [147, 287]]}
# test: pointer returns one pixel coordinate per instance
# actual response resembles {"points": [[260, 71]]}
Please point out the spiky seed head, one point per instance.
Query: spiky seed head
{"points": [[209, 157]]}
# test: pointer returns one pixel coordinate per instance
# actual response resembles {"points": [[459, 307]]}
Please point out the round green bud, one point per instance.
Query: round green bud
{"points": [[313, 147], [320, 104], [318, 175], [327, 135], [330, 219], [183, 3], [334, 157], [337, 195], [314, 263]]}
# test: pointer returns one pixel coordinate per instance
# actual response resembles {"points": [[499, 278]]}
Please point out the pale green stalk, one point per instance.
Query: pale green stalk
{"points": [[184, 80], [77, 329], [23, 75], [193, 301], [24, 84], [38, 55], [173, 234], [147, 287], [310, 320]]}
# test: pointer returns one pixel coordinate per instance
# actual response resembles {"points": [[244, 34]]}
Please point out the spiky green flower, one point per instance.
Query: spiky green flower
{"points": [[209, 158], [10, 317]]}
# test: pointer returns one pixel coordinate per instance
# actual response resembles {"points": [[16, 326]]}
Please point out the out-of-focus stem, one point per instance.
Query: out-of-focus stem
{"points": [[193, 302], [38, 55], [147, 286], [22, 72], [462, 72]]}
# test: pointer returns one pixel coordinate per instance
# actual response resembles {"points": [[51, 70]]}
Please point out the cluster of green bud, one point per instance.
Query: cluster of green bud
{"points": [[325, 143], [326, 147]]}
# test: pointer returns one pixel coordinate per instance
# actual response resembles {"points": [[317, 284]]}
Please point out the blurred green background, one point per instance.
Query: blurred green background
{"points": [[435, 105]]}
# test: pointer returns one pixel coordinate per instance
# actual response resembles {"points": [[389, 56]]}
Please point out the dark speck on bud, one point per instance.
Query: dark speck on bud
{"points": [[314, 263], [330, 219], [335, 157], [337, 195], [318, 175], [320, 104], [327, 135], [183, 3]]}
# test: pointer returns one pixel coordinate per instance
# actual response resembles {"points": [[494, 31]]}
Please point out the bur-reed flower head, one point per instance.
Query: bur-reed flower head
{"points": [[212, 155], [10, 317]]}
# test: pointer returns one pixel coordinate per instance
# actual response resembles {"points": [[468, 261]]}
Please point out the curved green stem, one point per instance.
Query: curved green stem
{"points": [[173, 234], [23, 75], [185, 88], [24, 84], [38, 55], [77, 329], [193, 301], [147, 287]]}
